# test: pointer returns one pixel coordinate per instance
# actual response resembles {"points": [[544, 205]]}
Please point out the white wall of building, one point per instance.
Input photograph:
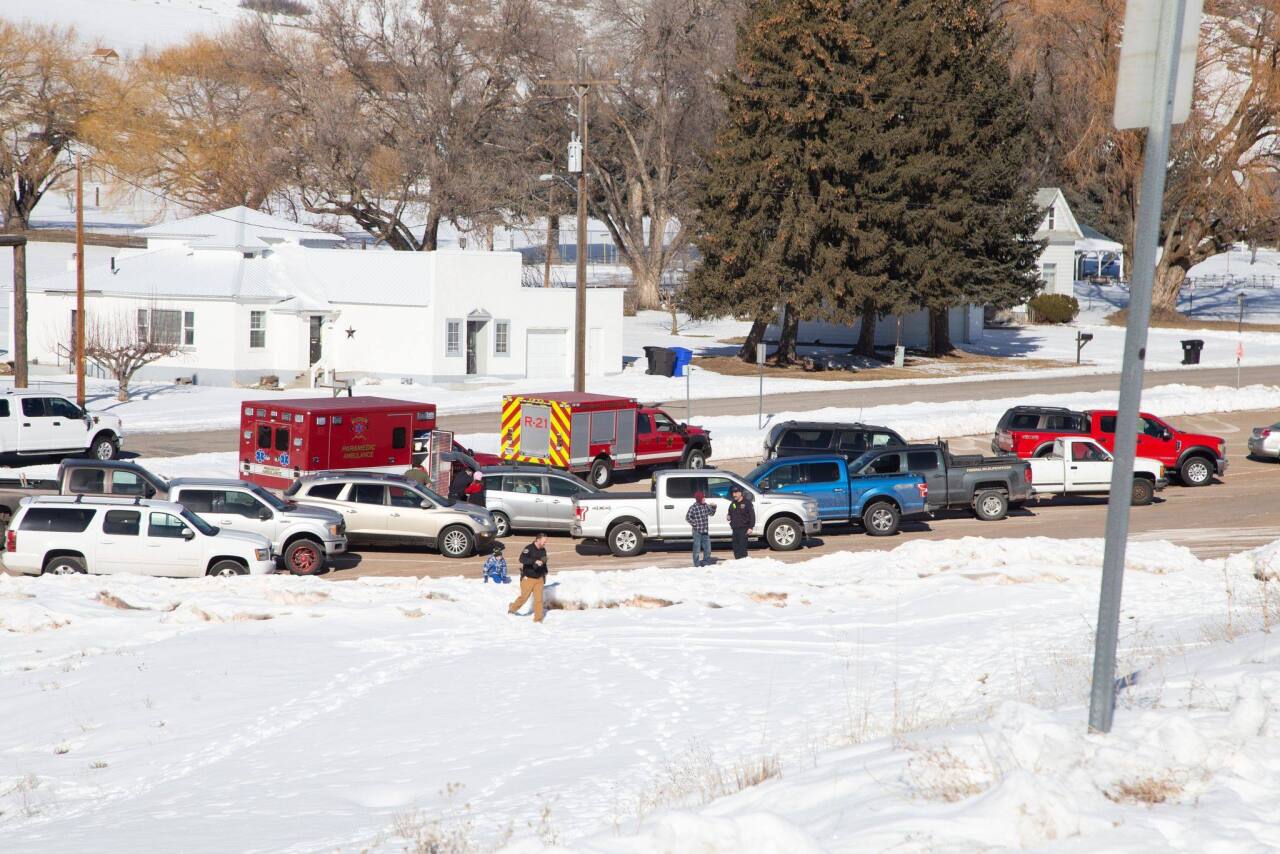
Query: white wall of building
{"points": [[1057, 268]]}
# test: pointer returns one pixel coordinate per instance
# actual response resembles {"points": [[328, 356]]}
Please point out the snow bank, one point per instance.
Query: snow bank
{"points": [[294, 714]]}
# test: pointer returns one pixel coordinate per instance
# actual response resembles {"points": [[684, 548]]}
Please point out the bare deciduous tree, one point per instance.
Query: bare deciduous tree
{"points": [[122, 344]]}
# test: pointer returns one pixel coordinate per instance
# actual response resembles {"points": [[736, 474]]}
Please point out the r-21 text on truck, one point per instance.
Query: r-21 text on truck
{"points": [[597, 434]]}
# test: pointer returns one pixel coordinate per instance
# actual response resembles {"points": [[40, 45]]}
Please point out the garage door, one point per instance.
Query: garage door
{"points": [[548, 353]]}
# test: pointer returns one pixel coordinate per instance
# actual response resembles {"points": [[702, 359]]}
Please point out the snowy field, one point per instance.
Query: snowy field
{"points": [[927, 698]]}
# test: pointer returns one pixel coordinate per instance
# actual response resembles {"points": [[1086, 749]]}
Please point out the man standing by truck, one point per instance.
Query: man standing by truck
{"points": [[742, 518], [533, 576], [699, 519]]}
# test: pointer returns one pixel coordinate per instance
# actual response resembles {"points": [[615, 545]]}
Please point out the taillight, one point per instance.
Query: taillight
{"points": [[1263, 433], [11, 540], [924, 489], [580, 512], [1026, 473]]}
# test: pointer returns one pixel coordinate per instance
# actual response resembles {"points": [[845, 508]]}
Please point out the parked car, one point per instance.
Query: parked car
{"points": [[877, 501], [597, 434], [1080, 466], [988, 485], [795, 438], [1264, 442], [388, 508], [625, 521], [84, 477], [1029, 431], [305, 539], [532, 498], [60, 535], [34, 423]]}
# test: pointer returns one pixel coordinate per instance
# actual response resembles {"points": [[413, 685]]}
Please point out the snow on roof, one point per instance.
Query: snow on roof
{"points": [[237, 228], [1096, 241], [1045, 196]]}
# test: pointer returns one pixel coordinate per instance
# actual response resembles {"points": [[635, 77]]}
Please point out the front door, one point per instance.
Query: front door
{"points": [[36, 431], [317, 325], [473, 346], [1089, 466], [367, 512], [168, 550]]}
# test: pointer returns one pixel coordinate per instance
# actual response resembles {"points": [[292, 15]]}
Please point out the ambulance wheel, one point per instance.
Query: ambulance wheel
{"points": [[502, 523], [456, 541], [304, 557], [601, 474], [626, 539]]}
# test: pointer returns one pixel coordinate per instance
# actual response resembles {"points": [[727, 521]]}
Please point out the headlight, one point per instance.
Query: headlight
{"points": [[1162, 469], [811, 507], [336, 529], [262, 554], [481, 520], [1222, 449]]}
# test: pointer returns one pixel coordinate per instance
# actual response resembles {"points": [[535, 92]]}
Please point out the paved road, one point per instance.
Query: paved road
{"points": [[1232, 515], [177, 444]]}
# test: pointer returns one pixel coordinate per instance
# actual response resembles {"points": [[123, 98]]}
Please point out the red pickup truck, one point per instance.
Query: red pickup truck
{"points": [[1029, 431]]}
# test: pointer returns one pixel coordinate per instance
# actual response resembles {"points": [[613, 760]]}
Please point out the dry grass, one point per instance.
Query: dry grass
{"points": [[777, 600], [959, 363], [1173, 320], [1145, 790], [637, 601], [937, 774], [113, 601], [696, 778], [241, 617]]}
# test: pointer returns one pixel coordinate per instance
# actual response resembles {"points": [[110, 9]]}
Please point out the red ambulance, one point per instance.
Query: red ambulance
{"points": [[282, 440]]}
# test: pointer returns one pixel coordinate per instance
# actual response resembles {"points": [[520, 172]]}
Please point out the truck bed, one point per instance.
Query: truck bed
{"points": [[33, 485]]}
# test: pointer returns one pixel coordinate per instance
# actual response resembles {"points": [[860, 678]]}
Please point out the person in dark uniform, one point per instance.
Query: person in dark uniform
{"points": [[459, 482], [533, 576], [742, 518]]}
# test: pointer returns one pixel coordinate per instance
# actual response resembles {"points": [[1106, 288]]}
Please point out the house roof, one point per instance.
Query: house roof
{"points": [[238, 228], [1066, 229]]}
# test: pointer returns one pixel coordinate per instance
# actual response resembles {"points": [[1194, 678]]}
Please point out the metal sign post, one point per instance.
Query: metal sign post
{"points": [[688, 405], [760, 362], [1151, 92]]}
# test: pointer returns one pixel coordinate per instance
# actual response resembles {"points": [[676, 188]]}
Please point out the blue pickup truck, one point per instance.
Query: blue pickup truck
{"points": [[878, 501]]}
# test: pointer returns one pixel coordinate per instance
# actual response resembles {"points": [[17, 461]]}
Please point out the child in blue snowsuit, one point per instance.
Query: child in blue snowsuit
{"points": [[495, 566]]}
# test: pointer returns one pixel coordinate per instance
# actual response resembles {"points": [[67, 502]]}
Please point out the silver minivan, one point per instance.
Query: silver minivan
{"points": [[531, 498]]}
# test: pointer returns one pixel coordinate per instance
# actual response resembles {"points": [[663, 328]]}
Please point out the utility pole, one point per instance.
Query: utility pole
{"points": [[79, 330], [580, 158], [18, 242], [551, 211]]}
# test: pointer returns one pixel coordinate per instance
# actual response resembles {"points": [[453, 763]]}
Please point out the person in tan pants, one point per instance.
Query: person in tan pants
{"points": [[533, 576]]}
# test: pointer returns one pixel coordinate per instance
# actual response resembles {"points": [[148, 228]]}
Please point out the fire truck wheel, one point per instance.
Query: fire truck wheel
{"points": [[601, 473], [456, 541], [626, 539], [304, 557], [695, 458], [502, 523]]}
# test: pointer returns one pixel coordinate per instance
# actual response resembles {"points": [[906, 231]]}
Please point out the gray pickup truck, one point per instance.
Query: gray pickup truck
{"points": [[304, 539], [988, 485]]}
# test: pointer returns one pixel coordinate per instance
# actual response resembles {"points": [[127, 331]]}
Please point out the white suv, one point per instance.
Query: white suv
{"points": [[62, 535], [35, 423]]}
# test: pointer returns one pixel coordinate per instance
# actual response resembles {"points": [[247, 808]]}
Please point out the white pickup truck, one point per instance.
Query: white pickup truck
{"points": [[1080, 466], [626, 520]]}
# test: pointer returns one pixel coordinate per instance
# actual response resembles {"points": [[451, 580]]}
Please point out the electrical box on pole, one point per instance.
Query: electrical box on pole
{"points": [[575, 154]]}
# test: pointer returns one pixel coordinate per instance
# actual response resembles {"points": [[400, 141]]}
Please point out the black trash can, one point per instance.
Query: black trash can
{"points": [[651, 356], [662, 361], [1191, 351]]}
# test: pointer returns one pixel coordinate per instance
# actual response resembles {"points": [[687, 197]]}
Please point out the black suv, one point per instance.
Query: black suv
{"points": [[795, 438]]}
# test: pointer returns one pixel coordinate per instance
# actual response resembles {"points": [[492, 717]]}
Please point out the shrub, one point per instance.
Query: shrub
{"points": [[1053, 308], [276, 7]]}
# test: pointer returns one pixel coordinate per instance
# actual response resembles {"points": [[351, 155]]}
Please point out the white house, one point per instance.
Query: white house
{"points": [[1060, 231], [250, 295]]}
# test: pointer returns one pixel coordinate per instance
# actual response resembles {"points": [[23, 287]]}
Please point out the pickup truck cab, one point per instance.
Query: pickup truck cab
{"points": [[988, 485], [878, 501], [84, 477], [1080, 466], [1030, 431], [625, 521], [61, 535], [34, 423], [305, 538]]}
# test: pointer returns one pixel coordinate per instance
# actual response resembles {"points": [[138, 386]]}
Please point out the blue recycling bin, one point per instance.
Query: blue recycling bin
{"points": [[683, 357]]}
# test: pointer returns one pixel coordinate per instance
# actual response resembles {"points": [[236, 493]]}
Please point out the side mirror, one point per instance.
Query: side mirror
{"points": [[764, 484], [264, 514], [149, 491], [188, 534], [425, 505], [1166, 434]]}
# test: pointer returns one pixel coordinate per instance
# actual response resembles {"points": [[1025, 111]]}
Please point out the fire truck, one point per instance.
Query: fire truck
{"points": [[596, 433], [282, 440]]}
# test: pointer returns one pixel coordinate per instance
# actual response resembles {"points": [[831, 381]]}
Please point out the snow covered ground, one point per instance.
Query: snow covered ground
{"points": [[925, 698]]}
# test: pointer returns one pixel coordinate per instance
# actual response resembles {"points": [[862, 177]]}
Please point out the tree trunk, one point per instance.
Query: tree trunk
{"points": [[786, 354], [1167, 286], [866, 345], [431, 237], [553, 238], [940, 332], [647, 279], [747, 352]]}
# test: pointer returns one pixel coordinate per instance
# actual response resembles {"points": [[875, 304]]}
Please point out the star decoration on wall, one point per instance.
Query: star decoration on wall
{"points": [[351, 333]]}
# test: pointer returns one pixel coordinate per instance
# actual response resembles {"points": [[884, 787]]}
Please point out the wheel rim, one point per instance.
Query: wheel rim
{"points": [[62, 569], [625, 541], [227, 572], [882, 520], [784, 535], [500, 522], [599, 475], [1197, 472], [104, 450], [696, 460], [991, 505], [455, 543], [304, 559]]}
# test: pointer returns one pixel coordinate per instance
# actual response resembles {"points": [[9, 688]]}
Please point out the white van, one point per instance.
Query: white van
{"points": [[64, 535], [34, 423]]}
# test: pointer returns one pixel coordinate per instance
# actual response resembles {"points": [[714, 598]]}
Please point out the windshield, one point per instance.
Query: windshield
{"points": [[856, 464], [438, 499], [756, 473], [199, 524], [271, 499]]}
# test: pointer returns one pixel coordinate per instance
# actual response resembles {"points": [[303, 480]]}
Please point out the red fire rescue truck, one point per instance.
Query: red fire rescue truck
{"points": [[596, 433], [281, 440]]}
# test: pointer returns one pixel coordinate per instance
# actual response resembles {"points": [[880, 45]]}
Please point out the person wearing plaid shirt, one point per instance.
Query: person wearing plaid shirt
{"points": [[699, 519]]}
